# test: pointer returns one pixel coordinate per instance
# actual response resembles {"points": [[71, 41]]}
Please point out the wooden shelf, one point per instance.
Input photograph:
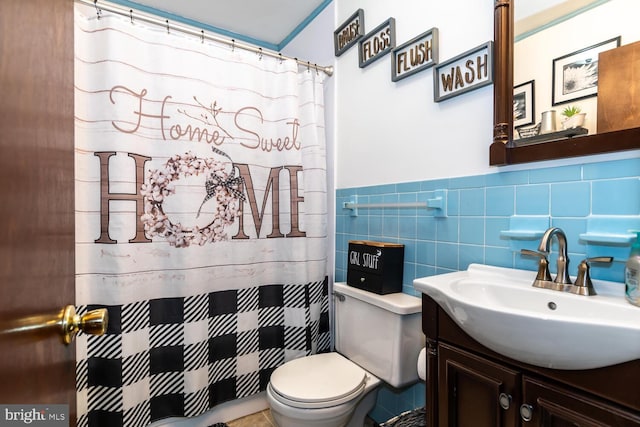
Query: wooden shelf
{"points": [[553, 136]]}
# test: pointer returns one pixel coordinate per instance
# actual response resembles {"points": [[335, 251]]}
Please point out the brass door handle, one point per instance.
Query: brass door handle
{"points": [[66, 323], [93, 322]]}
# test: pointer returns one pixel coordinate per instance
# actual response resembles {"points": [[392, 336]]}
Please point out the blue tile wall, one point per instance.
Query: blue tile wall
{"points": [[478, 209]]}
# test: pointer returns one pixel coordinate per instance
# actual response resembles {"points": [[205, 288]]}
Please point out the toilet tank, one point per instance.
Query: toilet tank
{"points": [[380, 333]]}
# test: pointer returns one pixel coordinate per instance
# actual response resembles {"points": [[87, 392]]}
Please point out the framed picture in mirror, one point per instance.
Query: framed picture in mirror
{"points": [[575, 76], [524, 104]]}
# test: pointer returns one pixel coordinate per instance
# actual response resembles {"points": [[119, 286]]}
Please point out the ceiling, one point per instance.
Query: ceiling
{"points": [[273, 23], [267, 23]]}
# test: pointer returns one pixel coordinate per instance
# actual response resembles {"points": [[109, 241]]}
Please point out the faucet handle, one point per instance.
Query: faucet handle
{"points": [[602, 259], [583, 284], [543, 278], [534, 253]]}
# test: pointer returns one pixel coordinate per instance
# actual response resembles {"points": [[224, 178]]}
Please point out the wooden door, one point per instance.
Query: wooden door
{"points": [[36, 196], [551, 406], [472, 390]]}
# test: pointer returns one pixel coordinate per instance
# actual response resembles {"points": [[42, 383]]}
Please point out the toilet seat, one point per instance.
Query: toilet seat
{"points": [[318, 381]]}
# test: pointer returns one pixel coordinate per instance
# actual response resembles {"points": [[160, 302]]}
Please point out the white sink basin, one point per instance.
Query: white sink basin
{"points": [[499, 308]]}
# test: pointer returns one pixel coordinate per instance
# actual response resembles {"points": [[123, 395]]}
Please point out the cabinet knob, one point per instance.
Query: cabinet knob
{"points": [[505, 400], [526, 412]]}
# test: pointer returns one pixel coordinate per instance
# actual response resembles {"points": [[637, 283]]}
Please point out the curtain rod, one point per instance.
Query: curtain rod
{"points": [[328, 70]]}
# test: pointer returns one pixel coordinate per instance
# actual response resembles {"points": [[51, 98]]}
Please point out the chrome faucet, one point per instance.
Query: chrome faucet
{"points": [[562, 277]]}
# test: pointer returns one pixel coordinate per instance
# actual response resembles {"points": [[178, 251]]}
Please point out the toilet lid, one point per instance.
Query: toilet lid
{"points": [[318, 378]]}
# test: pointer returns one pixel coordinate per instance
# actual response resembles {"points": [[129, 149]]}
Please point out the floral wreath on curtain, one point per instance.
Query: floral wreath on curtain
{"points": [[220, 185]]}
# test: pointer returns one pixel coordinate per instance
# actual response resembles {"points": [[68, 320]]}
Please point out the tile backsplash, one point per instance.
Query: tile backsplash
{"points": [[481, 212], [480, 209]]}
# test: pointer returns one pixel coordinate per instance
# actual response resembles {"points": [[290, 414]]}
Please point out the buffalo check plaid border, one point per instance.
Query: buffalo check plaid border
{"points": [[179, 357]]}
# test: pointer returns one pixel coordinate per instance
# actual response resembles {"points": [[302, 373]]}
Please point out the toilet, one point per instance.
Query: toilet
{"points": [[378, 339]]}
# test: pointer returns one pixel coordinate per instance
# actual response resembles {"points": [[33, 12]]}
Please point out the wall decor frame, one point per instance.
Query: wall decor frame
{"points": [[524, 111], [418, 54], [468, 71], [575, 76], [377, 43], [348, 33]]}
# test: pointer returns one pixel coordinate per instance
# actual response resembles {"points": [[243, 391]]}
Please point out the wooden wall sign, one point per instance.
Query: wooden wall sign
{"points": [[349, 32], [377, 43], [466, 72], [417, 54]]}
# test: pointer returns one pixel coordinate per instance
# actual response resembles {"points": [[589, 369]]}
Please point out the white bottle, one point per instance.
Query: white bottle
{"points": [[632, 273]]}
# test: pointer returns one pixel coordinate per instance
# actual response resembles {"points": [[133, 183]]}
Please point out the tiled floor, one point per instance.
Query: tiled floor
{"points": [[260, 419], [264, 419]]}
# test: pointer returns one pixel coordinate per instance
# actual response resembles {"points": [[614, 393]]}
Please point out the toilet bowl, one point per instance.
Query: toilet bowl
{"points": [[377, 338], [321, 390]]}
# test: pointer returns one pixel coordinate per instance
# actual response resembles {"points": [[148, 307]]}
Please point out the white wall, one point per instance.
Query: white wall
{"points": [[383, 132], [390, 132]]}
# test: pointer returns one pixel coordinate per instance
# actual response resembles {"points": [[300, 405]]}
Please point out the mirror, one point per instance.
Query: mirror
{"points": [[505, 149]]}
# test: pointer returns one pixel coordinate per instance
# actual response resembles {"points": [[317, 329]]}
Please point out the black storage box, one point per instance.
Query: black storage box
{"points": [[375, 266]]}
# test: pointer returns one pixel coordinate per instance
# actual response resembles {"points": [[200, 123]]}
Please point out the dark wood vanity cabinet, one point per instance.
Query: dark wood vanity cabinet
{"points": [[471, 388], [557, 406], [469, 385]]}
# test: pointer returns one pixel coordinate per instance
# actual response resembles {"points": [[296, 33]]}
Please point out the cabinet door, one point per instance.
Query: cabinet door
{"points": [[550, 406], [474, 392]]}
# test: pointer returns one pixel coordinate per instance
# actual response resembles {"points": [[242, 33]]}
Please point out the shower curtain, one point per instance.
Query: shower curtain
{"points": [[201, 220]]}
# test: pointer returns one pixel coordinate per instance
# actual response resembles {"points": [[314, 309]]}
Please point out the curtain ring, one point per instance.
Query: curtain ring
{"points": [[233, 45], [202, 36], [98, 11], [316, 67], [281, 59], [167, 21], [131, 15], [260, 54], [308, 66]]}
